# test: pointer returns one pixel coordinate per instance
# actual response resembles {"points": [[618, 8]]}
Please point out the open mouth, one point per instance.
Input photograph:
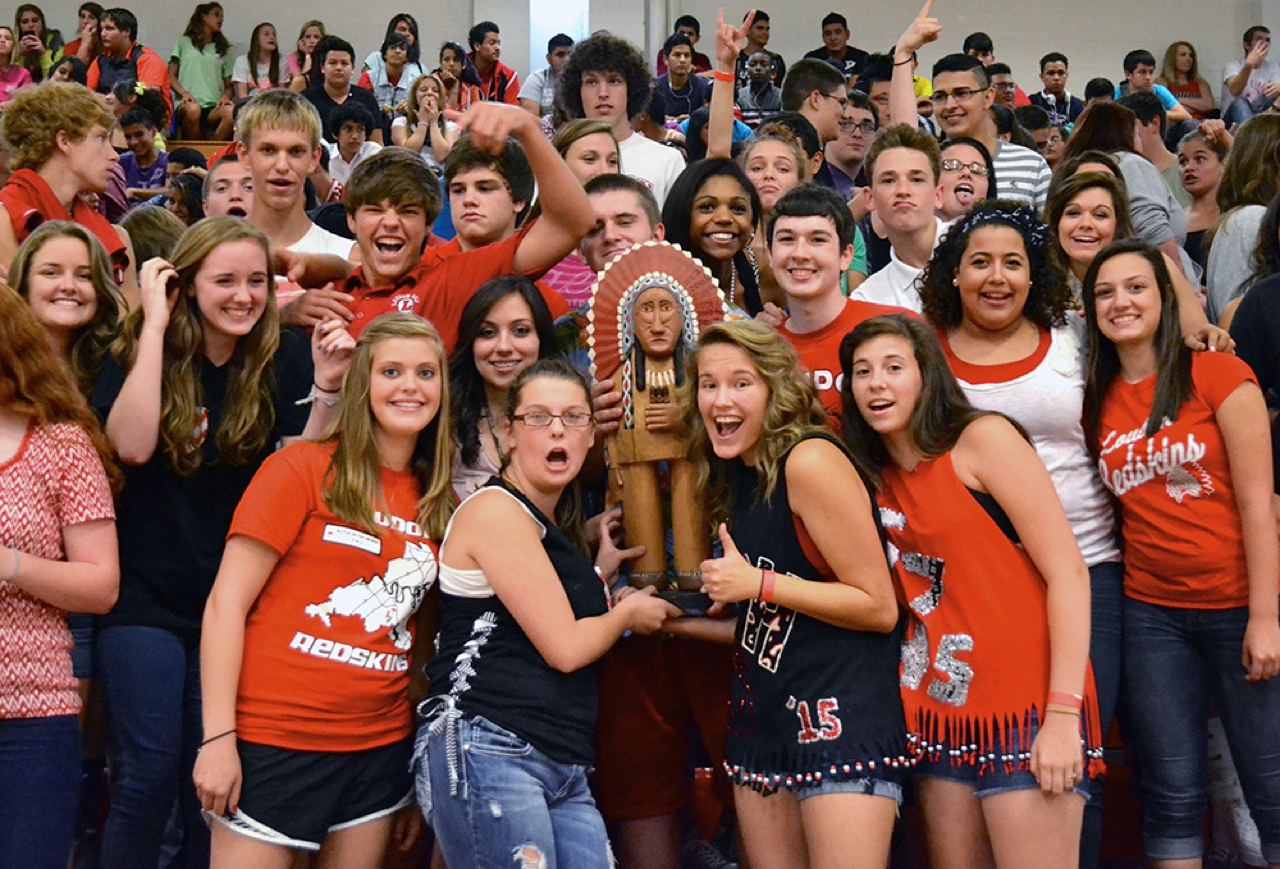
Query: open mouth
{"points": [[558, 459], [388, 248], [964, 194], [237, 211], [238, 313], [727, 426]]}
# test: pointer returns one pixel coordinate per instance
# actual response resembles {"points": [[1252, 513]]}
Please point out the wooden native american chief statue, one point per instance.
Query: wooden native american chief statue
{"points": [[647, 310]]}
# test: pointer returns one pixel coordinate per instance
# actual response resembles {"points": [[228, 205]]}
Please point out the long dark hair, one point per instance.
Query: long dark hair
{"points": [[467, 386], [1173, 357], [195, 30], [1102, 127], [415, 46], [255, 58], [942, 410], [678, 211], [1266, 253]]}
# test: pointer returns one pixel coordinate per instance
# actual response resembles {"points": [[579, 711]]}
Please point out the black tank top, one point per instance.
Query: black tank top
{"points": [[491, 668], [811, 702]]}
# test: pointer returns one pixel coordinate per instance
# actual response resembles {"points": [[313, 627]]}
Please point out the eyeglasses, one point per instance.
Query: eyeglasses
{"points": [[1048, 143], [1005, 86], [979, 169], [867, 127], [843, 101], [939, 98], [542, 419]]}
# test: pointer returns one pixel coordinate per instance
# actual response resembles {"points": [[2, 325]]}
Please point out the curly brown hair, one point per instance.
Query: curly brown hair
{"points": [[36, 115]]}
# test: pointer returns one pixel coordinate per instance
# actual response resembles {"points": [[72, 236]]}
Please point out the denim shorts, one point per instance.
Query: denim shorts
{"points": [[992, 778], [494, 796], [875, 787]]}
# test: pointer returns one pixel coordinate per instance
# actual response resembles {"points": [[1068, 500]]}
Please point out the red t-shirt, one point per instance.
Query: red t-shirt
{"points": [[439, 286], [819, 350], [1184, 546], [327, 644]]}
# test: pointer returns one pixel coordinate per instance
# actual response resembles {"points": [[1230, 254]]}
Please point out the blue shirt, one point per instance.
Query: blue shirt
{"points": [[1167, 99]]}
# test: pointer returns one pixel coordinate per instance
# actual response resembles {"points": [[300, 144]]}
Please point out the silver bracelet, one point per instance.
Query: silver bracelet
{"points": [[17, 564], [317, 394]]}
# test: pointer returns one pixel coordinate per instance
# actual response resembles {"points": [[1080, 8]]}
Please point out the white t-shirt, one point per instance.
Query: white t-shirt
{"points": [[262, 81], [656, 165], [1048, 402], [428, 156], [898, 283], [540, 87], [339, 168], [318, 240], [1267, 72]]}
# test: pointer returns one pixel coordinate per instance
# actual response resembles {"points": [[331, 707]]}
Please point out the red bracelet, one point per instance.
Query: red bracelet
{"points": [[726, 77], [1073, 701], [767, 579]]}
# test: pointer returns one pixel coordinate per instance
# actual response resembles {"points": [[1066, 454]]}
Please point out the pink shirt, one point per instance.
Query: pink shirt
{"points": [[55, 480]]}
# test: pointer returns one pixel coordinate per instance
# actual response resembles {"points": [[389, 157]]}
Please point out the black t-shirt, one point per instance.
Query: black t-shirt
{"points": [[850, 64], [694, 95], [491, 668], [319, 98], [172, 528], [1256, 328], [877, 248]]}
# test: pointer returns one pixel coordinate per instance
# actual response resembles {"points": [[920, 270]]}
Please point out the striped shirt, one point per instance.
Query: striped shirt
{"points": [[1021, 174]]}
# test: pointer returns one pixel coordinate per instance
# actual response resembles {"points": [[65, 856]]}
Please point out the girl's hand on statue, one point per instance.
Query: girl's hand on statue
{"points": [[610, 557]]}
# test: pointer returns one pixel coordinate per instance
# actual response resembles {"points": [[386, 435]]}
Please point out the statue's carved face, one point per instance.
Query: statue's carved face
{"points": [[657, 323]]}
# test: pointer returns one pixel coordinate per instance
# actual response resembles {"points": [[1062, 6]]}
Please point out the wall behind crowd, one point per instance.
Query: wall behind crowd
{"points": [[1094, 33]]}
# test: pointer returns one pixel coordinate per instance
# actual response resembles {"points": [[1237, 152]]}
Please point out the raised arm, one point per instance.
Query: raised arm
{"points": [[524, 580], [902, 94], [567, 216], [133, 425], [827, 494], [991, 456], [729, 41], [1246, 433]]}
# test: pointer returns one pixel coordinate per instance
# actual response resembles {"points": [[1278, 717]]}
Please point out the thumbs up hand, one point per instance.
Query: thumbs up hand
{"points": [[730, 578]]}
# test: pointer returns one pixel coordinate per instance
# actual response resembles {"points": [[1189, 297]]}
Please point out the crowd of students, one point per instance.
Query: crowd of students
{"points": [[314, 443]]}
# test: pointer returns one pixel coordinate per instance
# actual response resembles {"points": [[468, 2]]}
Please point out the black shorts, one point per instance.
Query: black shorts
{"points": [[297, 798]]}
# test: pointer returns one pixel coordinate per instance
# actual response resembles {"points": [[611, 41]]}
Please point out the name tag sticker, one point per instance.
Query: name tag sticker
{"points": [[352, 537]]}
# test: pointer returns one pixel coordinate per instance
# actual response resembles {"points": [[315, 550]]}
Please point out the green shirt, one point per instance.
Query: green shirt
{"points": [[203, 73]]}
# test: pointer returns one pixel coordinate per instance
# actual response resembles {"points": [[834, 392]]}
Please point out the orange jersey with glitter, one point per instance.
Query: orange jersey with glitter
{"points": [[975, 658]]}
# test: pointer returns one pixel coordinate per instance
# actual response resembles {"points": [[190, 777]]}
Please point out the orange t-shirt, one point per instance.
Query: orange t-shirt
{"points": [[819, 350], [1184, 545], [327, 644], [439, 286]]}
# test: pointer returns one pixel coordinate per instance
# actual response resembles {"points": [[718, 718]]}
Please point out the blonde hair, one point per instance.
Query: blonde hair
{"points": [[93, 341], [34, 117], [278, 109], [248, 415], [442, 93], [792, 412], [356, 469]]}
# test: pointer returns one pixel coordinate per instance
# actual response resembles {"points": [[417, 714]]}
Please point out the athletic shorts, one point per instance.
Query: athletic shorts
{"points": [[295, 799]]}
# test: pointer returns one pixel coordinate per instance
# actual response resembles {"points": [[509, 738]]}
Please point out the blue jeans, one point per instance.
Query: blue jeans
{"points": [[1177, 661], [1238, 112], [151, 680], [39, 791], [1106, 588], [512, 802]]}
